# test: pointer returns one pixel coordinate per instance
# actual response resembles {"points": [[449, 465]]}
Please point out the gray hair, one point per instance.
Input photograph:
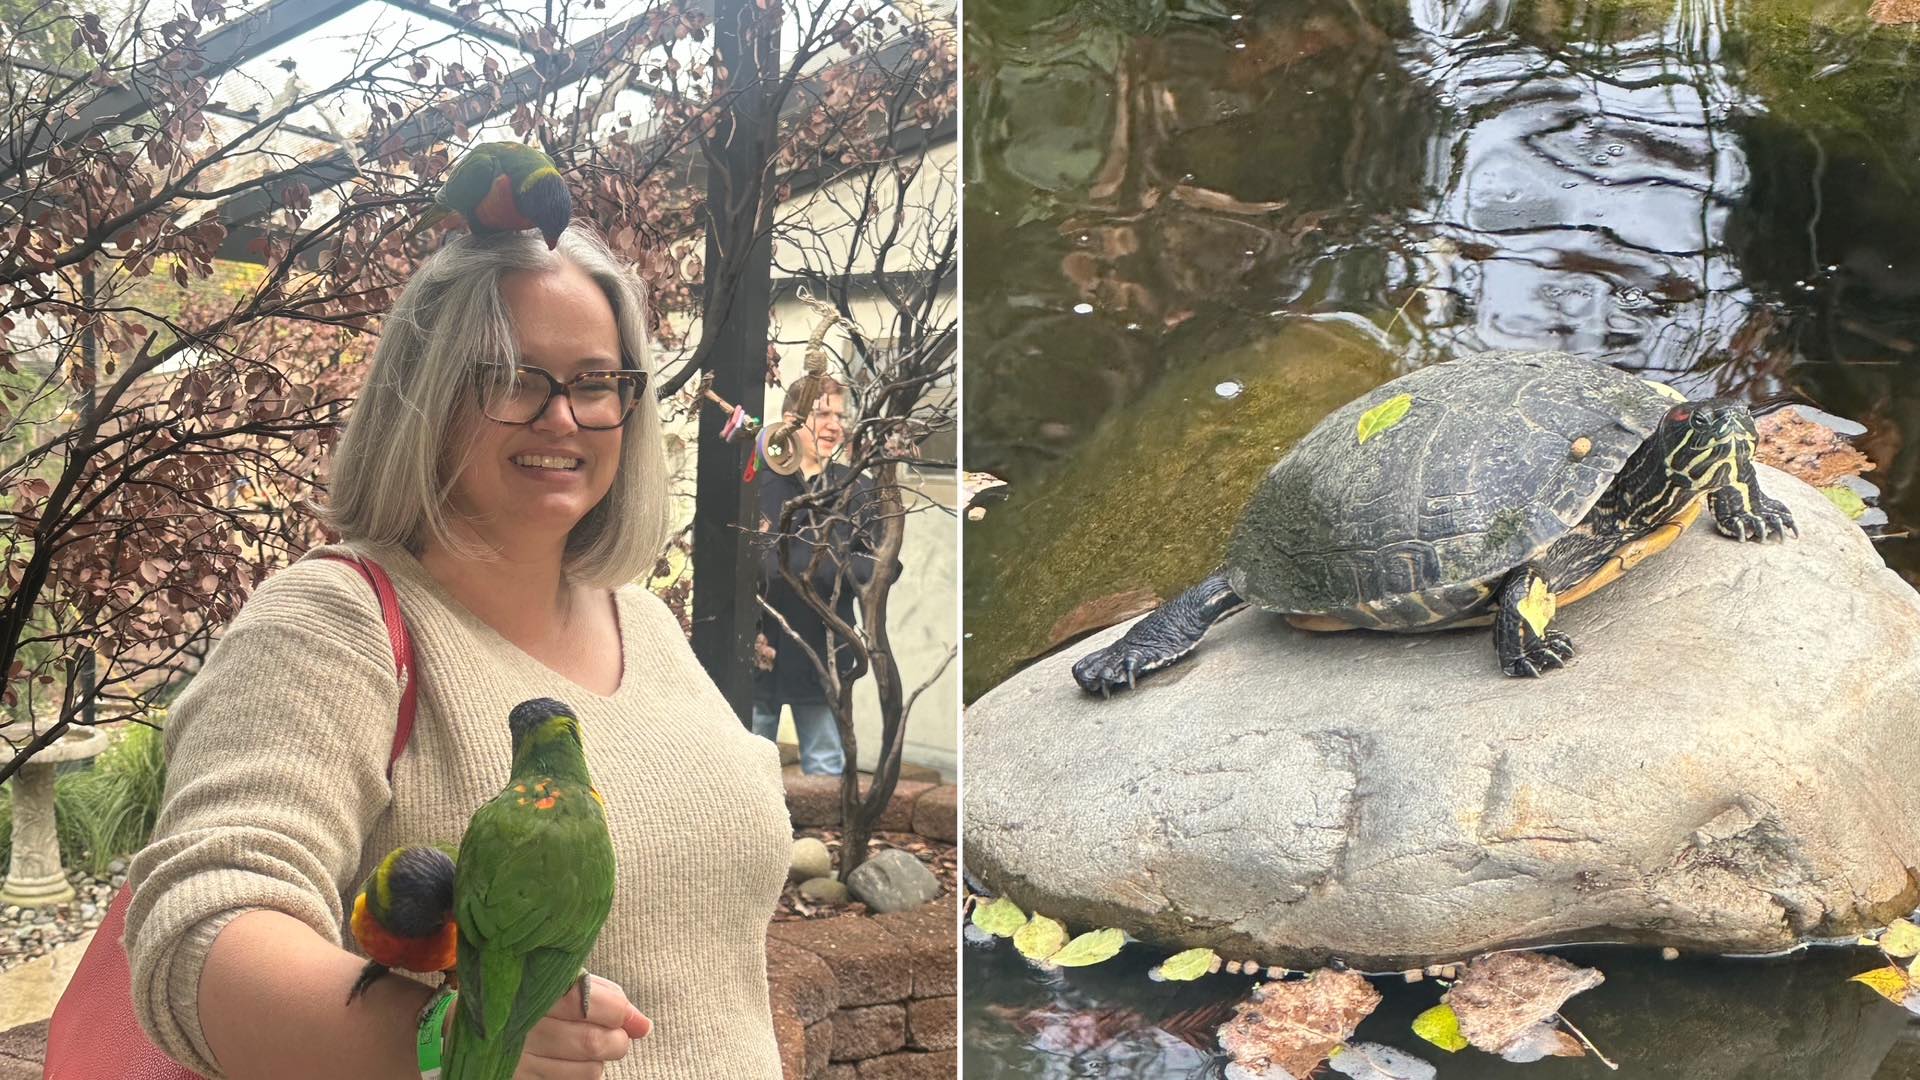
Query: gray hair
{"points": [[393, 470]]}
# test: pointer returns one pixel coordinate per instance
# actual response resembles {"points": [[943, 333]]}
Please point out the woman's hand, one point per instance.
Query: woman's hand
{"points": [[562, 1046]]}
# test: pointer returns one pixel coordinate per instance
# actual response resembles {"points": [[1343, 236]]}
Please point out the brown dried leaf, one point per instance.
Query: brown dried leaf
{"points": [[1810, 451], [1102, 612], [1500, 996], [1895, 12], [1295, 1025]]}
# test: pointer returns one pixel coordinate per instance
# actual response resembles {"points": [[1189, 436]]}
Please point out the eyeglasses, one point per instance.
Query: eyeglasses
{"points": [[600, 399]]}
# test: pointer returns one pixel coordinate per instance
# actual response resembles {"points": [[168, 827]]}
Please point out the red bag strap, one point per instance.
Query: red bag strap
{"points": [[402, 642]]}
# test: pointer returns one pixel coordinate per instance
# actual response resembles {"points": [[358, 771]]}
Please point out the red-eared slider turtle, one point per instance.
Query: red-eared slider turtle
{"points": [[1490, 489]]}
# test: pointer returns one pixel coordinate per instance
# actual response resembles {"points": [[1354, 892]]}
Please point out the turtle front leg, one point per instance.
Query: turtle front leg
{"points": [[1168, 633], [1527, 648], [1743, 512]]}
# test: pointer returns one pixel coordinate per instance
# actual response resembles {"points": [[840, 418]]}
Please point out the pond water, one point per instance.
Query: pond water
{"points": [[1792, 1018], [1194, 227]]}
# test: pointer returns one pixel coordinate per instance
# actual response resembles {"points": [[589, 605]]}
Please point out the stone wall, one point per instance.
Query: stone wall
{"points": [[867, 997]]}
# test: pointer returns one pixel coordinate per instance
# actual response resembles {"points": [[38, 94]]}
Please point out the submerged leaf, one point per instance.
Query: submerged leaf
{"points": [[1040, 938], [1441, 1027], [1500, 996], [1372, 1061], [1542, 1040], [1089, 948], [1295, 1025], [1185, 966], [1001, 918], [1383, 416]]}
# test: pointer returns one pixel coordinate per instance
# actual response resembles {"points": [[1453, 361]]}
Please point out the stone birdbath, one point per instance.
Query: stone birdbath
{"points": [[35, 878]]}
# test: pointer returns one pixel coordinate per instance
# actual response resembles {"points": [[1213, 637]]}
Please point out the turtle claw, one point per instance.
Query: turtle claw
{"points": [[1119, 664], [1537, 657], [1768, 520]]}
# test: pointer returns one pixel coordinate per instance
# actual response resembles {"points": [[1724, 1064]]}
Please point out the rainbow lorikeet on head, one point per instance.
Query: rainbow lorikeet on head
{"points": [[403, 915], [534, 883], [505, 187]]}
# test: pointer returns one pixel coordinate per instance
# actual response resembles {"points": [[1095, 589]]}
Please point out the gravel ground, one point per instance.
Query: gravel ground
{"points": [[28, 933]]}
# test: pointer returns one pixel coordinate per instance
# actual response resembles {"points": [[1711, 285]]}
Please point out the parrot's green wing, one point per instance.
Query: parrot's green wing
{"points": [[530, 904], [470, 179]]}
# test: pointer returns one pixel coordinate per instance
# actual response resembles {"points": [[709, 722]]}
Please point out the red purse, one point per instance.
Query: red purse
{"points": [[93, 1034]]}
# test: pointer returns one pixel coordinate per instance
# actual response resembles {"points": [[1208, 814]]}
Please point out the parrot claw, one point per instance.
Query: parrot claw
{"points": [[585, 981], [368, 976]]}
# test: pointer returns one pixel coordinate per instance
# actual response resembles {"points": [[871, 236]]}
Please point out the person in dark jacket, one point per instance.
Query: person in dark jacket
{"points": [[786, 675]]}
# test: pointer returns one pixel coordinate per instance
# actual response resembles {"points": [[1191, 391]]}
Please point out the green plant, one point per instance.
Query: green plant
{"points": [[104, 811]]}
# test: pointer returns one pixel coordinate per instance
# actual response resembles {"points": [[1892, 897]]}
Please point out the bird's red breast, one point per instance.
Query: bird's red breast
{"points": [[498, 211], [426, 954]]}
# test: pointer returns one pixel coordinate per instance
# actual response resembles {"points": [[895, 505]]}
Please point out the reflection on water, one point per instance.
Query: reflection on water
{"points": [[1691, 1019], [1299, 200], [1720, 192]]}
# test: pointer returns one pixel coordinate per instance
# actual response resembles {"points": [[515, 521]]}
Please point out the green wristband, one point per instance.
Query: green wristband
{"points": [[432, 1035]]}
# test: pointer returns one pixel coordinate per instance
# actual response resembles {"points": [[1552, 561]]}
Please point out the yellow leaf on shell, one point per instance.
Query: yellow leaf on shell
{"points": [[1383, 416]]}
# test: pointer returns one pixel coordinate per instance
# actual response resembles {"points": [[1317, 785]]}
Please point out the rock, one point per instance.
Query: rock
{"points": [[823, 890], [1727, 767], [811, 859], [936, 815], [117, 866], [893, 880]]}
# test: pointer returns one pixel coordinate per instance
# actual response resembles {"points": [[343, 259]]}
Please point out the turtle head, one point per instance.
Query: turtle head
{"points": [[1701, 442]]}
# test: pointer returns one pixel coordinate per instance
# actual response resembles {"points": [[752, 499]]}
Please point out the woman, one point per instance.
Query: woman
{"points": [[816, 408], [511, 507]]}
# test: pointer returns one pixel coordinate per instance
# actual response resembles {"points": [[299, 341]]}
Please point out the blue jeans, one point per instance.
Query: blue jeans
{"points": [[820, 749]]}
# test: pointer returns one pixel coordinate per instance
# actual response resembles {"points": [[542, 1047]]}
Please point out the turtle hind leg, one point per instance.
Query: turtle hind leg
{"points": [[1526, 646], [1168, 633], [1743, 512]]}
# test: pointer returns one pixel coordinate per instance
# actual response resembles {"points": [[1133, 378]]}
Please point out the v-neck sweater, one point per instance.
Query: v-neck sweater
{"points": [[277, 797]]}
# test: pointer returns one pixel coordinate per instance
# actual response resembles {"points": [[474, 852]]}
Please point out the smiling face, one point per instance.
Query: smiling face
{"points": [[535, 481]]}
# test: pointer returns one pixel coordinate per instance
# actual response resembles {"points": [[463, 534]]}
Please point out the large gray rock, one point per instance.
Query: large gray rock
{"points": [[1729, 764], [892, 880]]}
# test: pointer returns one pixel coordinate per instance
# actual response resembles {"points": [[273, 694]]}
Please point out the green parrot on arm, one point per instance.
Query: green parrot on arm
{"points": [[531, 888], [505, 187]]}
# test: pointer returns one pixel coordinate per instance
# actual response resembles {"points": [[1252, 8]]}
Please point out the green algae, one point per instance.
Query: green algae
{"points": [[1149, 497]]}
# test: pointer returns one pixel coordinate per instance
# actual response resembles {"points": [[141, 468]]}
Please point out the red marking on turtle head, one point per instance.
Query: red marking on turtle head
{"points": [[1680, 414]]}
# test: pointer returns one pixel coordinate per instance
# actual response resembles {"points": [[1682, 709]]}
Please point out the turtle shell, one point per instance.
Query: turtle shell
{"points": [[1495, 457]]}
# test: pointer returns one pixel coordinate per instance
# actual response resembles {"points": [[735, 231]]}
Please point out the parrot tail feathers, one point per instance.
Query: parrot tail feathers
{"points": [[471, 1056]]}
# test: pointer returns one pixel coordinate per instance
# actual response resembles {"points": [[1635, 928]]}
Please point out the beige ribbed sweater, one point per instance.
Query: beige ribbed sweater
{"points": [[277, 798]]}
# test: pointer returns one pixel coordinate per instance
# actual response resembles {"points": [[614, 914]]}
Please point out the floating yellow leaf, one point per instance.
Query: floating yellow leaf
{"points": [[1849, 503], [1185, 966], [1089, 948], [1040, 938], [1440, 1027], [1889, 982], [1001, 918], [1383, 416], [1902, 939]]}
